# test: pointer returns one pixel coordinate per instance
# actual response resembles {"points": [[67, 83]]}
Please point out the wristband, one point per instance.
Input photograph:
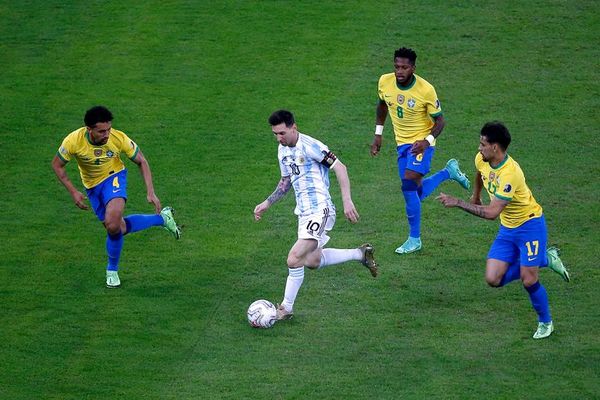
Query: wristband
{"points": [[378, 130], [430, 139]]}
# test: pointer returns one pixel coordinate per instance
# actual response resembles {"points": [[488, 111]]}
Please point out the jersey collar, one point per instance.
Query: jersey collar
{"points": [[501, 163], [411, 84]]}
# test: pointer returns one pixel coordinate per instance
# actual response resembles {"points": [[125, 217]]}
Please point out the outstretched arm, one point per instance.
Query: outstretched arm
{"points": [[341, 173], [284, 186], [381, 113], [142, 163], [491, 211], [58, 166]]}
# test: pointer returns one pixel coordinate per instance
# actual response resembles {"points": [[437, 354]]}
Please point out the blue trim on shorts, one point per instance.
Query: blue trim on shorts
{"points": [[420, 163], [526, 243], [105, 191]]}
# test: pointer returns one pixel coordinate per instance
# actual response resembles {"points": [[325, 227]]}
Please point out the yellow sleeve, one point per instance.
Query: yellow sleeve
{"points": [[380, 89], [128, 146], [508, 184], [65, 150], [434, 108]]}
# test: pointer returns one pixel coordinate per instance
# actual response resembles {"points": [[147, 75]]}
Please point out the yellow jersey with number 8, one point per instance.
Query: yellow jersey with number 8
{"points": [[507, 182], [97, 162], [411, 107]]}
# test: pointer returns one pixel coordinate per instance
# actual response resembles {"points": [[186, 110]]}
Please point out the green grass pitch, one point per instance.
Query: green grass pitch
{"points": [[193, 83]]}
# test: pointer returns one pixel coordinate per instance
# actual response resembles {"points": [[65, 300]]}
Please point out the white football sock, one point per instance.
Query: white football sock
{"points": [[292, 286], [337, 256]]}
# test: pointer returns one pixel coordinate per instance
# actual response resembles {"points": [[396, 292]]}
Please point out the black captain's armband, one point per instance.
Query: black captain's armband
{"points": [[329, 159]]}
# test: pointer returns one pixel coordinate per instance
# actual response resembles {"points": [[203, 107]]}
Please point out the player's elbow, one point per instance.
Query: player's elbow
{"points": [[491, 215]]}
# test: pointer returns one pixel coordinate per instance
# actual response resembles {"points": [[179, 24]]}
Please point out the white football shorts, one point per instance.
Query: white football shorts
{"points": [[316, 226]]}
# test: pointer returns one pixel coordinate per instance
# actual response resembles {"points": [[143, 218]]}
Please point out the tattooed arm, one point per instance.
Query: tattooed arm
{"points": [[284, 186], [490, 211]]}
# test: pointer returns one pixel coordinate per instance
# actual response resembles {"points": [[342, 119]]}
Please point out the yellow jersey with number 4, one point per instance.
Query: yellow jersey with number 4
{"points": [[411, 107], [507, 182], [97, 162]]}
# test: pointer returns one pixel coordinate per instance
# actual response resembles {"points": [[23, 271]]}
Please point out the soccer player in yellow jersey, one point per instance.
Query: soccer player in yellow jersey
{"points": [[97, 149], [417, 118], [519, 249]]}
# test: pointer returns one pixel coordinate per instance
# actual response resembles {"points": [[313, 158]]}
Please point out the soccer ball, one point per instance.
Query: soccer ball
{"points": [[262, 314]]}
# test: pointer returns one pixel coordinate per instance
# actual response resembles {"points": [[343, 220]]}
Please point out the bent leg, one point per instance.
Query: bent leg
{"points": [[140, 222], [495, 272]]}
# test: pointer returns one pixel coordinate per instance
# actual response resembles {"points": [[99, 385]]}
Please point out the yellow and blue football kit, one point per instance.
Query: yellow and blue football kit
{"points": [[523, 237], [411, 108], [507, 182], [97, 162], [105, 178]]}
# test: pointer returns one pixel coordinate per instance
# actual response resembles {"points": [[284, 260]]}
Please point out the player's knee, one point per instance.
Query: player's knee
{"points": [[493, 280], [293, 261], [528, 280], [112, 227]]}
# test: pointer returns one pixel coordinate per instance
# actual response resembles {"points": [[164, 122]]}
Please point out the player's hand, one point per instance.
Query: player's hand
{"points": [[260, 209], [153, 199], [419, 147], [79, 200], [447, 200], [350, 211], [376, 145]]}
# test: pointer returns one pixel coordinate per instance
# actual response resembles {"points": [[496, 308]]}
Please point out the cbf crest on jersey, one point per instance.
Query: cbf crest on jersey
{"points": [[411, 103]]}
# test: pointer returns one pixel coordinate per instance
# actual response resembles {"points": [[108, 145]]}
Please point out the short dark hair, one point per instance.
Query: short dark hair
{"points": [[496, 132], [97, 114], [404, 52], [282, 116]]}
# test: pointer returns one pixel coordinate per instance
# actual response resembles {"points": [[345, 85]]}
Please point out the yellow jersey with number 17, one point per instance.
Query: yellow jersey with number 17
{"points": [[97, 162], [507, 182], [411, 107]]}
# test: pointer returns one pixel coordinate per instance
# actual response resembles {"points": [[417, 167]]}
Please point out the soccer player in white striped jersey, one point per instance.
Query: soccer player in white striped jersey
{"points": [[305, 163]]}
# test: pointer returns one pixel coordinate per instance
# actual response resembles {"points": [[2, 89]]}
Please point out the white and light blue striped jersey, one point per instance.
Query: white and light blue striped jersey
{"points": [[307, 164]]}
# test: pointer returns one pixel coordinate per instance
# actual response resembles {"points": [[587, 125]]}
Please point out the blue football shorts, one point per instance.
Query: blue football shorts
{"points": [[526, 244], [420, 163], [112, 187]]}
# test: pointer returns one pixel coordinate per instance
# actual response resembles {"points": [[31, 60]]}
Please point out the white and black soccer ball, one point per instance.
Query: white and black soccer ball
{"points": [[262, 314]]}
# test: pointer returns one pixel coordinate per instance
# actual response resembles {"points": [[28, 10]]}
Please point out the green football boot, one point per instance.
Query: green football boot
{"points": [[544, 330], [456, 174], [410, 246], [112, 279], [169, 222], [556, 264]]}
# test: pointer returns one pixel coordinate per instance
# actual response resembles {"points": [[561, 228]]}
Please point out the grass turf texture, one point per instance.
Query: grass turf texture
{"points": [[193, 85]]}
